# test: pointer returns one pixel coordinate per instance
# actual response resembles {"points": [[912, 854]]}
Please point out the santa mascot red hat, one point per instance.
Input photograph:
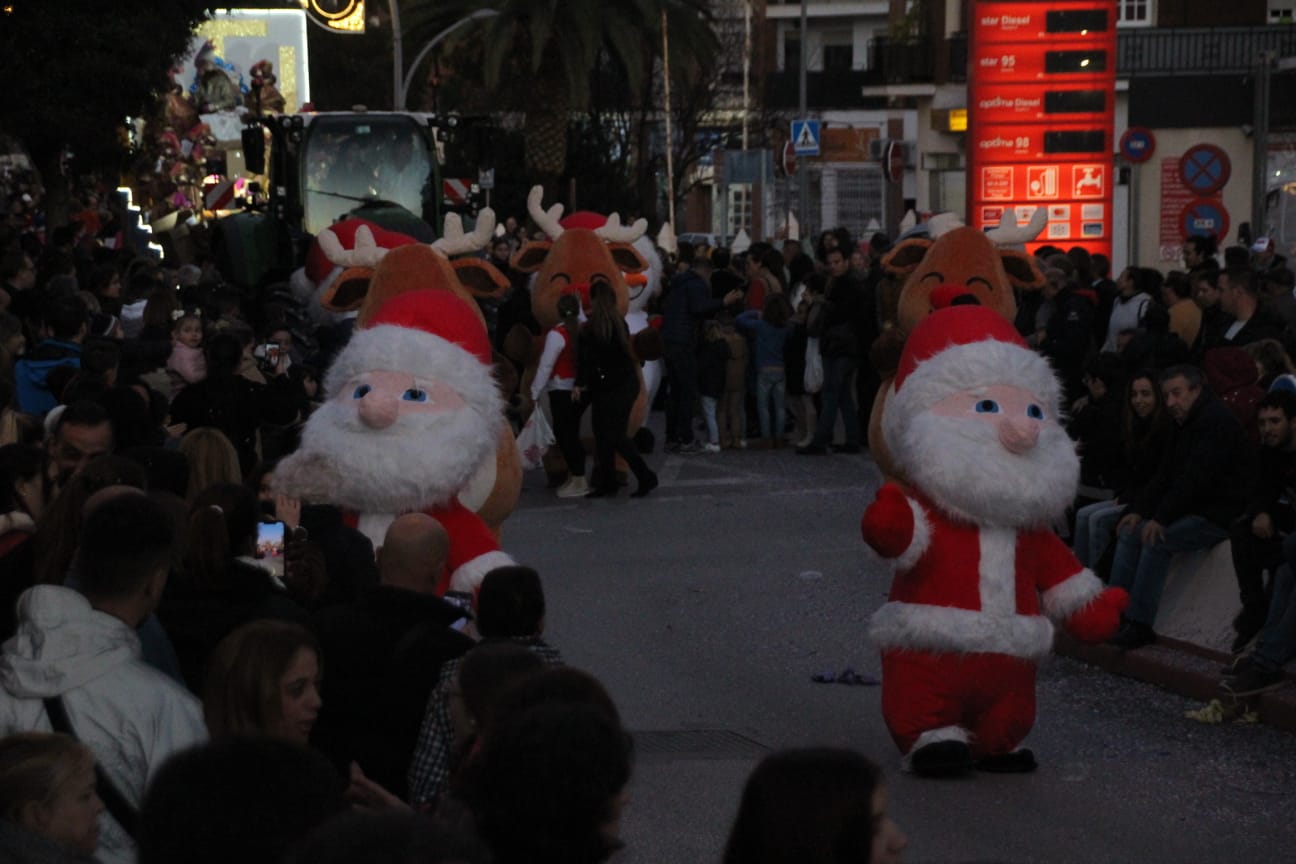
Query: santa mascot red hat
{"points": [[959, 348], [433, 335]]}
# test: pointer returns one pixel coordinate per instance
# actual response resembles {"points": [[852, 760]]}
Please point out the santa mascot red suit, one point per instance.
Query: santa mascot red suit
{"points": [[979, 576], [412, 409]]}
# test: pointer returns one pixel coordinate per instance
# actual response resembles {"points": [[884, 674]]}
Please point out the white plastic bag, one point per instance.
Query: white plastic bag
{"points": [[814, 376], [534, 439]]}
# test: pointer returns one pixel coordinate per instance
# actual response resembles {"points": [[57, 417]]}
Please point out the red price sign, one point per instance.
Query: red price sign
{"points": [[1041, 111]]}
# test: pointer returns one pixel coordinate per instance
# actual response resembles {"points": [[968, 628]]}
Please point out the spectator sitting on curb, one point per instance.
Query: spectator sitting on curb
{"points": [[1193, 497], [1262, 669], [1256, 538]]}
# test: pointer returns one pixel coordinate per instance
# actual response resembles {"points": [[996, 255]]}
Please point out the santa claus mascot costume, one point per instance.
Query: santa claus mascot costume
{"points": [[979, 576], [412, 409]]}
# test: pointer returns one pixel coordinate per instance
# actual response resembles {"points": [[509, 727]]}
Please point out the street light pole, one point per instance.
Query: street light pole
{"points": [[403, 92], [803, 181], [1260, 145], [398, 58]]}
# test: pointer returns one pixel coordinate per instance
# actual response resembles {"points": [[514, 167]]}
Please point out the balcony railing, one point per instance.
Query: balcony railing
{"points": [[1197, 51]]}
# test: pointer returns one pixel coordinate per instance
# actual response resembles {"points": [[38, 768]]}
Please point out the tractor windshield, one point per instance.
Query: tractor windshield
{"points": [[356, 160]]}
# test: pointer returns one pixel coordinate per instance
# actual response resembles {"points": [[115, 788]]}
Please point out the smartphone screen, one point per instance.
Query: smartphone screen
{"points": [[270, 540], [272, 353]]}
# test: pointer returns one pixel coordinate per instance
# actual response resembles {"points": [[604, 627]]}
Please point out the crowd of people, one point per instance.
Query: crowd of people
{"points": [[157, 643], [173, 667], [772, 344]]}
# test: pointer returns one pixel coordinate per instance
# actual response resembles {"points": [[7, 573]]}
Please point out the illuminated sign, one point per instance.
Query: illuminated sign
{"points": [[1041, 111], [342, 15]]}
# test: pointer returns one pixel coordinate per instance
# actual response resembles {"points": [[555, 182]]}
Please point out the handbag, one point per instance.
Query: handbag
{"points": [[535, 438], [814, 371]]}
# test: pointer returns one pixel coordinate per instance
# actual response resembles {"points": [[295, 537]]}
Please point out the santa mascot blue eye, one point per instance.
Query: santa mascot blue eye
{"points": [[1034, 412], [414, 395], [987, 406], [361, 391]]}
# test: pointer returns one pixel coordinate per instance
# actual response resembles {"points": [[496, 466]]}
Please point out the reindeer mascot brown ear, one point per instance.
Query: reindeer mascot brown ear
{"points": [[979, 271]]}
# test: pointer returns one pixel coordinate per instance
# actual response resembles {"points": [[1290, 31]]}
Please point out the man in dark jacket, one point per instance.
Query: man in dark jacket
{"points": [[385, 654], [1252, 319], [687, 301], [841, 342], [1197, 491], [1068, 335], [1256, 539]]}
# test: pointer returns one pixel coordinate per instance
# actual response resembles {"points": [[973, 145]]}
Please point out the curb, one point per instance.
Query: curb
{"points": [[1186, 669]]}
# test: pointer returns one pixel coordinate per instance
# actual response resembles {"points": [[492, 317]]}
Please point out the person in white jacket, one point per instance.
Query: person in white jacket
{"points": [[83, 649]]}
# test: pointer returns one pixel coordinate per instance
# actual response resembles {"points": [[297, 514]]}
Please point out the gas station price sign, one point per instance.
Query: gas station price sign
{"points": [[1041, 116]]}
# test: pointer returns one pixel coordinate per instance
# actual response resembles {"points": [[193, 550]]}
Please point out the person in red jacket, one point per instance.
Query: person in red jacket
{"points": [[979, 576]]}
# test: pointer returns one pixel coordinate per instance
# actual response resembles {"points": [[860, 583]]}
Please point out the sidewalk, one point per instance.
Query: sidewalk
{"points": [[1186, 669]]}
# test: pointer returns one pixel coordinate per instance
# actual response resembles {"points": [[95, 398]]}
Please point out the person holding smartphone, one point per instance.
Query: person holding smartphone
{"points": [[225, 583]]}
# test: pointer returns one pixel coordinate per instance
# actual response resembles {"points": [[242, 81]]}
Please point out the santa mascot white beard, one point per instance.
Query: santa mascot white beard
{"points": [[420, 461], [413, 410], [961, 464], [973, 420]]}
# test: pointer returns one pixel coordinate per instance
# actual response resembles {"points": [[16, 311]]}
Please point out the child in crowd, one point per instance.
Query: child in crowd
{"points": [[732, 418], [713, 363], [187, 362], [49, 810], [769, 327]]}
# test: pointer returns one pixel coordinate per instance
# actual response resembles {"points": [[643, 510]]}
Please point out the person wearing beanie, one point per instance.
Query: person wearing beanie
{"points": [[412, 410], [980, 577]]}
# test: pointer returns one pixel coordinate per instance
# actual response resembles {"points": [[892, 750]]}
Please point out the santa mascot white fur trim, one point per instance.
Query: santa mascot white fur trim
{"points": [[980, 578], [412, 409]]}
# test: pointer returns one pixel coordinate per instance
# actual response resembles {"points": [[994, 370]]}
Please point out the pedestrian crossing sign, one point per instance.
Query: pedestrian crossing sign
{"points": [[805, 137]]}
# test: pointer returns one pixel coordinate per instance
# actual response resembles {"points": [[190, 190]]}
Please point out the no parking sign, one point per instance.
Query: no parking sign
{"points": [[1202, 217], [1205, 169]]}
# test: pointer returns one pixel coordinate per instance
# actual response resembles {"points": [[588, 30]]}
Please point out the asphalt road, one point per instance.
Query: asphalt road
{"points": [[707, 607]]}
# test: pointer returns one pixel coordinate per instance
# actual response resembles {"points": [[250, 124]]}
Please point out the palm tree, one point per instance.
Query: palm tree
{"points": [[550, 49]]}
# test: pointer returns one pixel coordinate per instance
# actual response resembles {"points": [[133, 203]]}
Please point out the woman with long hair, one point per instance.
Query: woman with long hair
{"points": [[264, 680], [212, 459], [1145, 431], [608, 371], [815, 806], [224, 585]]}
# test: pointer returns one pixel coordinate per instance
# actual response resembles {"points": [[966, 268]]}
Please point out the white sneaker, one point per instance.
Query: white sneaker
{"points": [[711, 448], [575, 487]]}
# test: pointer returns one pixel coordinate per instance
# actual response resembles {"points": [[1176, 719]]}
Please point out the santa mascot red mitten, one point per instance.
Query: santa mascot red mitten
{"points": [[980, 579], [412, 410]]}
